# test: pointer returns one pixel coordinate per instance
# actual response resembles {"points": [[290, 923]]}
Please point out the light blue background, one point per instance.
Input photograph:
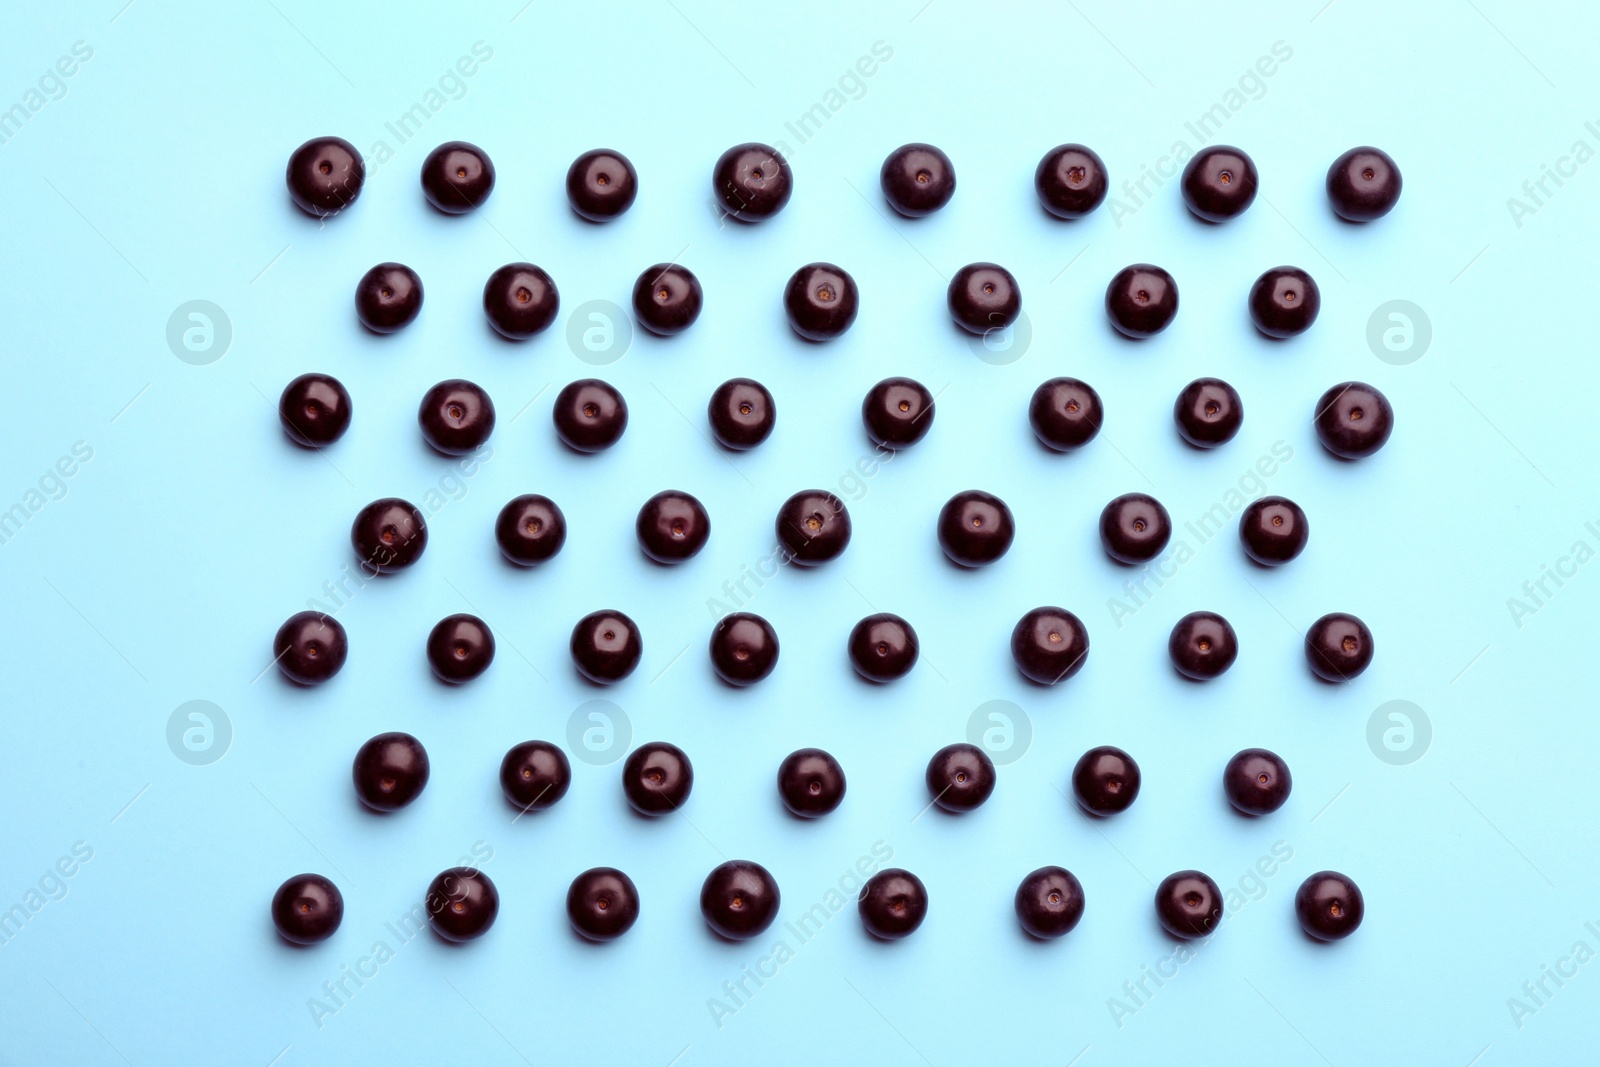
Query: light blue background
{"points": [[196, 529]]}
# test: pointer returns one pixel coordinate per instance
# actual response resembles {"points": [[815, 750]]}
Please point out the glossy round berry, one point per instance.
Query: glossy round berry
{"points": [[657, 778], [462, 903], [1049, 902], [1065, 414], [741, 413], [1142, 300], [1219, 182], [1071, 181], [1202, 646], [389, 535], [1049, 645], [960, 777], [917, 179], [744, 648], [520, 300], [457, 177], [883, 647], [893, 904], [1353, 420], [314, 410], [739, 899], [460, 647], [590, 415], [1134, 528], [1188, 904], [456, 417], [1273, 530], [601, 184], [1256, 781], [672, 527], [667, 299], [388, 297], [1338, 647], [602, 903], [535, 775], [752, 181], [897, 412], [821, 301], [1208, 412], [325, 176], [606, 646], [1329, 906], [975, 528], [813, 527], [811, 783], [1284, 302], [984, 297], [307, 909], [1105, 781], [530, 529], [310, 647], [1363, 184], [390, 771]]}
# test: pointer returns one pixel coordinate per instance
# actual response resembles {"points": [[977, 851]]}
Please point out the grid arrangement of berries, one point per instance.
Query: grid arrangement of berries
{"points": [[740, 899]]}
